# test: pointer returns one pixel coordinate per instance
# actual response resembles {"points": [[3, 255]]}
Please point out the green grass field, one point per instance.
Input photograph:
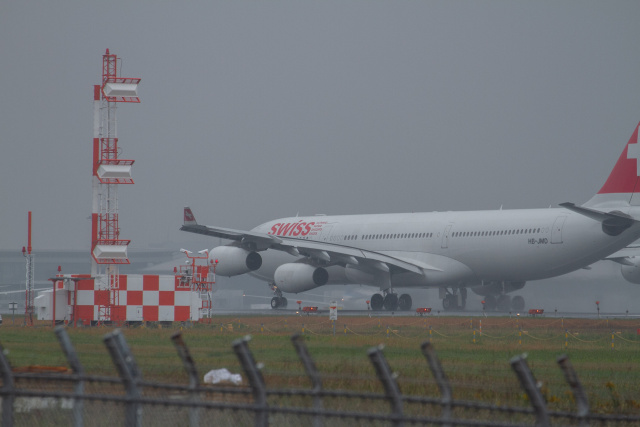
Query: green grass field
{"points": [[474, 353]]}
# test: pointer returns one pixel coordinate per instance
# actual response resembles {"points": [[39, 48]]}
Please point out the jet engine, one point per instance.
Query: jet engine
{"points": [[631, 273], [232, 260], [295, 277]]}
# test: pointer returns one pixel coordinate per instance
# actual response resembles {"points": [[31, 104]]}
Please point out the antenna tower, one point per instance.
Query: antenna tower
{"points": [[108, 250], [30, 292]]}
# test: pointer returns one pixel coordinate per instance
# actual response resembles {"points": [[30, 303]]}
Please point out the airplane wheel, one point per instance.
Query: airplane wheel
{"points": [[517, 303], [448, 303], [275, 302], [376, 302], [490, 303], [404, 302], [504, 302], [391, 302], [283, 302]]}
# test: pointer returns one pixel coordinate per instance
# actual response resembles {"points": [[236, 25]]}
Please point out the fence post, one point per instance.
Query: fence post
{"points": [[612, 335], [528, 382], [78, 370], [441, 379], [256, 381], [130, 374], [388, 380], [312, 373], [192, 371], [576, 388], [7, 390]]}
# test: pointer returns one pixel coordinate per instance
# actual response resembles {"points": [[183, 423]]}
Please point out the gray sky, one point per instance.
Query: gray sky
{"points": [[257, 110]]}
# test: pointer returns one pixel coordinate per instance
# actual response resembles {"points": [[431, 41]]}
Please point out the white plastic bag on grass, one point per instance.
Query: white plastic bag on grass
{"points": [[217, 376]]}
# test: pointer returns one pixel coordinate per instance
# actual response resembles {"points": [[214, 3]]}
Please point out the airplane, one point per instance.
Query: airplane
{"points": [[492, 252]]}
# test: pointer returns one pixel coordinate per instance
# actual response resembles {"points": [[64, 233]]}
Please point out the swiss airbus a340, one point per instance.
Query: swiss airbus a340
{"points": [[493, 253]]}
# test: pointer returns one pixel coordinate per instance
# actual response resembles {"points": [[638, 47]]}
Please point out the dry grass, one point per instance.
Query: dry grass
{"points": [[477, 370]]}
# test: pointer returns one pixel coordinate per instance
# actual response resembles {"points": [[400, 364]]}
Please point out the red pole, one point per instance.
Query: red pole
{"points": [[75, 301]]}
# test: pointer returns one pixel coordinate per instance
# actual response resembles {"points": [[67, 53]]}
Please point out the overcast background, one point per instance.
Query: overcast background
{"points": [[257, 110]]}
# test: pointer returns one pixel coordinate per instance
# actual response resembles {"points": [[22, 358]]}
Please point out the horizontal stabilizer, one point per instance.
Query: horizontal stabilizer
{"points": [[613, 223]]}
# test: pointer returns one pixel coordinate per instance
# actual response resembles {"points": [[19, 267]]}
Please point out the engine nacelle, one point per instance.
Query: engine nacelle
{"points": [[631, 273], [295, 277], [497, 288], [232, 260]]}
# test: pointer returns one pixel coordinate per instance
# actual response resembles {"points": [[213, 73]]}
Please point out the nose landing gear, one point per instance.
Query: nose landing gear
{"points": [[277, 301]]}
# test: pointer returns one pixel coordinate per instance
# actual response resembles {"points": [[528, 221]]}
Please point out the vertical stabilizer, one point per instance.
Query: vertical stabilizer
{"points": [[622, 188], [189, 219]]}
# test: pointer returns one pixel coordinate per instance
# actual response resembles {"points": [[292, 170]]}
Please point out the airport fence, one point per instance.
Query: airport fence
{"points": [[79, 399]]}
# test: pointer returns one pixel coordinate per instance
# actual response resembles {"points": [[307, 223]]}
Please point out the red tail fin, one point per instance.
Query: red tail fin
{"points": [[623, 184], [189, 219]]}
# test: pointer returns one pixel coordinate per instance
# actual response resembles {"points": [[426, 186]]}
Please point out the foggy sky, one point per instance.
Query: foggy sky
{"points": [[257, 110]]}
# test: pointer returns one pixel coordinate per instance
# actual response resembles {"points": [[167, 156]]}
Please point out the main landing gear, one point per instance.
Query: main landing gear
{"points": [[278, 301], [456, 299], [391, 301]]}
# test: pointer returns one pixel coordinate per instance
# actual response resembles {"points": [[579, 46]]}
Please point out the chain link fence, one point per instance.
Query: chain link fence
{"points": [[78, 399]]}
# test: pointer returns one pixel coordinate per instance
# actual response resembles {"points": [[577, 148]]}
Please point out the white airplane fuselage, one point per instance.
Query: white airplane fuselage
{"points": [[491, 252], [471, 246]]}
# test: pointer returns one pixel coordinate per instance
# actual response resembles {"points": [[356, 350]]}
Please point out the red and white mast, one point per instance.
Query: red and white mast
{"points": [[108, 250]]}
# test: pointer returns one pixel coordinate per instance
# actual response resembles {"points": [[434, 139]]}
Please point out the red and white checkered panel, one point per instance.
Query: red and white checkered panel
{"points": [[141, 298]]}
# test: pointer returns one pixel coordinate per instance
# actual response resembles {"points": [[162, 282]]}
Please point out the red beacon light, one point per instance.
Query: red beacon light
{"points": [[423, 310], [535, 311]]}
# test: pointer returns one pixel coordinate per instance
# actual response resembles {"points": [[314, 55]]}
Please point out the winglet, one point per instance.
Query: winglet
{"points": [[189, 219]]}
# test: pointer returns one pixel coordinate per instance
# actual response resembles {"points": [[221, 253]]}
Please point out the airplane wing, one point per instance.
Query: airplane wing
{"points": [[623, 255], [245, 237], [22, 291], [327, 252]]}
